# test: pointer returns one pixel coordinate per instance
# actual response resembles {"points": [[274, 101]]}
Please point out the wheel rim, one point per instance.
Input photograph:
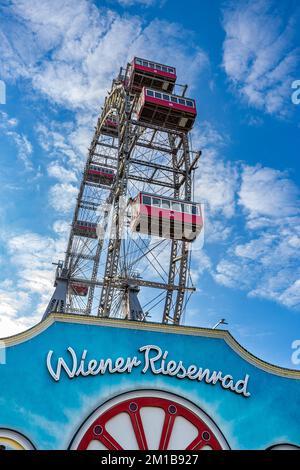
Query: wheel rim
{"points": [[149, 420]]}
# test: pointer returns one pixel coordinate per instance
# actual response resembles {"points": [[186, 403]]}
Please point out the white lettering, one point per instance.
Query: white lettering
{"points": [[214, 378], [241, 386], [113, 460], [80, 370], [227, 382], [155, 360], [61, 363], [150, 361]]}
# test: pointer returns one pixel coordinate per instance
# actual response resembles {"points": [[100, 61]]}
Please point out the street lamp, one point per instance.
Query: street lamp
{"points": [[220, 322]]}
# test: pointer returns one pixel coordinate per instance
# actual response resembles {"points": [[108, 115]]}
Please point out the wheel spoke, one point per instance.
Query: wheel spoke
{"points": [[166, 432], [139, 430]]}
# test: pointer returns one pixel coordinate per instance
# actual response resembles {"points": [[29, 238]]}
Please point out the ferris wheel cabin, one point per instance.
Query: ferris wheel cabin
{"points": [[166, 110], [110, 126], [150, 74], [166, 217], [79, 288], [100, 175], [85, 229]]}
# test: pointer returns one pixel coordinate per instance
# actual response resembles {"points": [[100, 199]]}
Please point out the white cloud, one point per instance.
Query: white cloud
{"points": [[65, 143], [66, 146], [7, 123], [14, 305], [256, 248], [216, 185], [23, 301], [216, 180], [12, 325], [265, 260], [24, 148], [268, 193], [201, 263], [33, 251], [291, 296], [73, 50], [258, 55], [61, 227], [254, 212], [60, 173], [129, 3], [10, 301], [217, 230], [233, 274], [62, 197]]}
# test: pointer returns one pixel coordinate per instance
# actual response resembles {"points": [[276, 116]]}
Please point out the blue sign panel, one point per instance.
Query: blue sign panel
{"points": [[88, 383]]}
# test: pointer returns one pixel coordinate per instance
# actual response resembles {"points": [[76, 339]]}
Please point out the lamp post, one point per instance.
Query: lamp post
{"points": [[220, 322]]}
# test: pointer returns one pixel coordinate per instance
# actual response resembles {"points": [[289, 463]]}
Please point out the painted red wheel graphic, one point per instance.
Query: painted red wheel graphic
{"points": [[149, 420]]}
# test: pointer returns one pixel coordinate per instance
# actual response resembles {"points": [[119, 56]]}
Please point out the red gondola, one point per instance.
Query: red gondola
{"points": [[166, 110], [150, 74], [99, 174], [78, 288], [166, 217], [110, 126], [85, 229]]}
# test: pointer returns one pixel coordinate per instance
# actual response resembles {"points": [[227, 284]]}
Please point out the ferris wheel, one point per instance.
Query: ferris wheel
{"points": [[128, 254]]}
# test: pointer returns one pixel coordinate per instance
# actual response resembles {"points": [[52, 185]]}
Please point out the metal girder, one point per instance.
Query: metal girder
{"points": [[80, 250], [113, 251], [175, 243], [157, 166], [122, 283], [185, 251], [151, 181], [83, 256]]}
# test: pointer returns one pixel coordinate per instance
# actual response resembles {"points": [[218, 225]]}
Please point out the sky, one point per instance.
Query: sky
{"points": [[240, 59]]}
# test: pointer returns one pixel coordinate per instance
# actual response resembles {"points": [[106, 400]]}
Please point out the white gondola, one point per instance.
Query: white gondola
{"points": [[166, 217]]}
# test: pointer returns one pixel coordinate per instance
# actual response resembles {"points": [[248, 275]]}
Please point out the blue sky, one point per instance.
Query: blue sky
{"points": [[57, 60]]}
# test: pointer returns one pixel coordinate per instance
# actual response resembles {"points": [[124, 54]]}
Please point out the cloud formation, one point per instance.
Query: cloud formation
{"points": [[258, 53], [130, 3], [265, 260], [52, 42], [253, 213], [8, 127]]}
